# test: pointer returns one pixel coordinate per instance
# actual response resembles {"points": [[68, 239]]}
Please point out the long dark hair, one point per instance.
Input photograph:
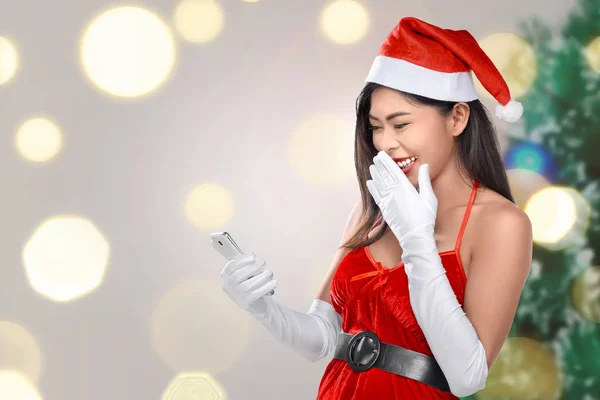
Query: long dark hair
{"points": [[477, 148]]}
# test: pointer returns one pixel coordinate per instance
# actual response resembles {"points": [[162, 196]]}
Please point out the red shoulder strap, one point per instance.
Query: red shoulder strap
{"points": [[466, 216]]}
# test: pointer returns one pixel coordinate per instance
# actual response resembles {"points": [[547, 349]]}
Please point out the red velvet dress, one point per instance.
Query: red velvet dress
{"points": [[371, 297]]}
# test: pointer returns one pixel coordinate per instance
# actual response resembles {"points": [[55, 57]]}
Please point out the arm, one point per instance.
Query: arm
{"points": [[499, 270], [466, 342], [312, 334], [299, 328]]}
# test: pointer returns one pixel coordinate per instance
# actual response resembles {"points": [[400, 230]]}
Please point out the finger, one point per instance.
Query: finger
{"points": [[237, 263], [373, 191], [263, 290], [260, 292], [392, 168], [380, 185], [425, 188], [399, 178], [387, 172], [246, 272], [256, 281]]}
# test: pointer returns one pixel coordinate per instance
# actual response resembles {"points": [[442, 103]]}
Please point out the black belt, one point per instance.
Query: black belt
{"points": [[364, 350]]}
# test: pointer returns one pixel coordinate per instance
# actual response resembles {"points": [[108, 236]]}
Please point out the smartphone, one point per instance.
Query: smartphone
{"points": [[224, 244]]}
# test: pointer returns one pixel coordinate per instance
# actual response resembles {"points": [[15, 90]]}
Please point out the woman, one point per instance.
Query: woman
{"points": [[422, 309]]}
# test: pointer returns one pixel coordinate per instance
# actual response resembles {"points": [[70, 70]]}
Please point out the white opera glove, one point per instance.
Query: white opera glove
{"points": [[312, 335], [411, 216]]}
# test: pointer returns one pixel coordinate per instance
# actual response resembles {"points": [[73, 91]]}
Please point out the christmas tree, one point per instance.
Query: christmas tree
{"points": [[553, 350]]}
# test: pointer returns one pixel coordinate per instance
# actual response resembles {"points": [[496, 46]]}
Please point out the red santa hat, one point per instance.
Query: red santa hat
{"points": [[429, 61]]}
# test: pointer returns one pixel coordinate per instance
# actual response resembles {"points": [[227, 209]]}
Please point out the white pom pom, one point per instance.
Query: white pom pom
{"points": [[511, 112]]}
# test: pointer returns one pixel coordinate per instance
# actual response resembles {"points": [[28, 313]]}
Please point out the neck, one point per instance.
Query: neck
{"points": [[451, 188]]}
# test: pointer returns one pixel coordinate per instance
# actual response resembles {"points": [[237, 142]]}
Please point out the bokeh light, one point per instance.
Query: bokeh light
{"points": [[199, 21], [38, 140], [514, 58], [16, 386], [194, 386], [9, 60], [19, 350], [552, 213], [526, 370], [592, 54], [585, 294], [531, 156], [344, 21], [321, 150], [65, 258], [127, 51], [208, 206], [524, 183], [196, 327], [559, 217]]}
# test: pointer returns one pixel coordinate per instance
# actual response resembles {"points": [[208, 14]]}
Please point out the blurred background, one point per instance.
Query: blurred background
{"points": [[133, 130]]}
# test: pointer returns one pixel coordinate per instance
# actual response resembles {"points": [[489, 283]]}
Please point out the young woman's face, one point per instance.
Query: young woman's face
{"points": [[419, 132]]}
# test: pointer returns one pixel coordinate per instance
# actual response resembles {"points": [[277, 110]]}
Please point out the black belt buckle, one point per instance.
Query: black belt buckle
{"points": [[363, 350]]}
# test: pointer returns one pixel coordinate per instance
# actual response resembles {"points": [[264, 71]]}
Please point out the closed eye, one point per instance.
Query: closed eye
{"points": [[397, 126]]}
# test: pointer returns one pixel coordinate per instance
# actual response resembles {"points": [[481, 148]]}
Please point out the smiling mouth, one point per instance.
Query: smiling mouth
{"points": [[407, 163]]}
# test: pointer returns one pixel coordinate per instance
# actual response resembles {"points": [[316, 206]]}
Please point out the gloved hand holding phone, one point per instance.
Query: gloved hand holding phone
{"points": [[246, 280], [250, 284]]}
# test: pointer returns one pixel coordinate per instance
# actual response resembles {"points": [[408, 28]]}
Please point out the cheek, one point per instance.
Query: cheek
{"points": [[436, 150]]}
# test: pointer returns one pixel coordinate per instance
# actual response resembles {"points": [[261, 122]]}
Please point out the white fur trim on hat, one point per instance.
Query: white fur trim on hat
{"points": [[511, 112], [411, 78]]}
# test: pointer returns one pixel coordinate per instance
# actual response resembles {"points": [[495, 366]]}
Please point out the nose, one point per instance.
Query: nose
{"points": [[389, 140]]}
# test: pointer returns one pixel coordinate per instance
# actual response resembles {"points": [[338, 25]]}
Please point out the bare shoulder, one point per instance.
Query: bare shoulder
{"points": [[350, 228], [499, 219], [497, 209]]}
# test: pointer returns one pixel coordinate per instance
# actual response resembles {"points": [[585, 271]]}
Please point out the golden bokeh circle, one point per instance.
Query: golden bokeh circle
{"points": [[321, 150], [19, 350], [14, 385], [344, 21], [585, 294], [194, 386], [197, 327], [38, 139], [199, 21], [127, 51], [208, 206], [526, 370], [592, 54], [66, 258], [515, 59], [9, 60]]}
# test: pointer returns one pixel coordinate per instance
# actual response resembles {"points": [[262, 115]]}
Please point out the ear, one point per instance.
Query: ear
{"points": [[459, 118]]}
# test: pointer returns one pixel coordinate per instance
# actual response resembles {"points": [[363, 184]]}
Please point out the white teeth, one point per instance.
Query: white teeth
{"points": [[406, 163]]}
